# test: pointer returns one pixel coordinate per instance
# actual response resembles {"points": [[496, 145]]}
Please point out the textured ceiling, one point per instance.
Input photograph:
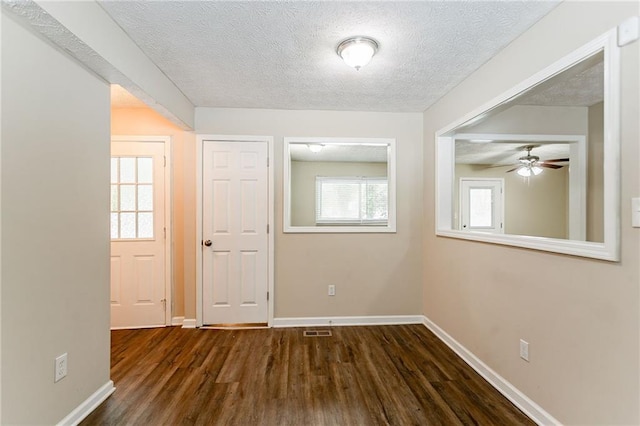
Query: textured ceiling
{"points": [[581, 85], [337, 152], [282, 54], [507, 152]]}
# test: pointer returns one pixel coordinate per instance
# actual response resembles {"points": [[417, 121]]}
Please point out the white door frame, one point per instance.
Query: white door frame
{"points": [[500, 198], [271, 241], [168, 211]]}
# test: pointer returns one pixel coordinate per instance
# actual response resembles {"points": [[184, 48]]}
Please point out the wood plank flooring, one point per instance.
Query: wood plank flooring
{"points": [[382, 375]]}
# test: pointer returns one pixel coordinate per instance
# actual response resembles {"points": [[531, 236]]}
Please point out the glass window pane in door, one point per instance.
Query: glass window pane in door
{"points": [[145, 197], [114, 169], [145, 225], [127, 198], [145, 170], [127, 225], [127, 170], [114, 225], [480, 207], [114, 198]]}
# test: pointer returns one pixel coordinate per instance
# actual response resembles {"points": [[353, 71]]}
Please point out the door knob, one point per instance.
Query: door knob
{"points": [[208, 243]]}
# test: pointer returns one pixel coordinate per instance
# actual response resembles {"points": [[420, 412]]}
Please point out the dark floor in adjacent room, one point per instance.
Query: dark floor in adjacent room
{"points": [[397, 375]]}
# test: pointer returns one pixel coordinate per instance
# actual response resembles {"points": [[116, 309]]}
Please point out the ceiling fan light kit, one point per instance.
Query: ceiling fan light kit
{"points": [[530, 165], [529, 171]]}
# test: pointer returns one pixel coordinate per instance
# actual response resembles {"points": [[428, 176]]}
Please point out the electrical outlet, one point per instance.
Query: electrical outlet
{"points": [[524, 350], [60, 367], [332, 290]]}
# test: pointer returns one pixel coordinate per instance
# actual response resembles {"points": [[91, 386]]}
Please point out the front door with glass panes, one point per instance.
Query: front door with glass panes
{"points": [[137, 234], [481, 205]]}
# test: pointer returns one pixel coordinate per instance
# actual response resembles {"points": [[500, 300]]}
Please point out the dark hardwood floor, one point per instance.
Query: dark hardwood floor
{"points": [[398, 375]]}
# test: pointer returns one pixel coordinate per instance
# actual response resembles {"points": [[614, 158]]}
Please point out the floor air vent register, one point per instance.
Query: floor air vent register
{"points": [[317, 333]]}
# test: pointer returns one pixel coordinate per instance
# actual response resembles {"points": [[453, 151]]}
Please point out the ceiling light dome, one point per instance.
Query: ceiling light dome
{"points": [[315, 147], [528, 171], [357, 51]]}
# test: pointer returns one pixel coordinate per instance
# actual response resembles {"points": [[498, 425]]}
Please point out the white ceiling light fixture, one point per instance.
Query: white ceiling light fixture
{"points": [[315, 147], [357, 51]]}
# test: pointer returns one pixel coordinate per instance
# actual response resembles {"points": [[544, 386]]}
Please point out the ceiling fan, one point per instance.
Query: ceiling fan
{"points": [[530, 165]]}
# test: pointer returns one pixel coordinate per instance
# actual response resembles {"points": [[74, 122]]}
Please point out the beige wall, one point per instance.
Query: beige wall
{"points": [[145, 121], [580, 316], [374, 274], [303, 184], [55, 223], [535, 206]]}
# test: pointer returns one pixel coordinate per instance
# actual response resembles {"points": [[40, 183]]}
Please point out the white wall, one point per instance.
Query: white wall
{"points": [[532, 119], [374, 274], [55, 239], [88, 33], [580, 316]]}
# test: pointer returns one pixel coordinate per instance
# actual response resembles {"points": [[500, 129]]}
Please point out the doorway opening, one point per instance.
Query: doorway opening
{"points": [[141, 261]]}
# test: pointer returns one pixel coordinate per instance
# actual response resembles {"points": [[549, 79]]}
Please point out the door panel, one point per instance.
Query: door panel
{"points": [[137, 235], [235, 218]]}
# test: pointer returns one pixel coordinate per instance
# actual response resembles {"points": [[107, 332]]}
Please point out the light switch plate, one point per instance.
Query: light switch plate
{"points": [[635, 212], [628, 31]]}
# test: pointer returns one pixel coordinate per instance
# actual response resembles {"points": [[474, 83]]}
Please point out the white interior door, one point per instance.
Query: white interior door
{"points": [[138, 235], [234, 227], [481, 205]]}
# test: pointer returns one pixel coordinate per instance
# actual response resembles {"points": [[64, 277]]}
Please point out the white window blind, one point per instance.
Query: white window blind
{"points": [[352, 200]]}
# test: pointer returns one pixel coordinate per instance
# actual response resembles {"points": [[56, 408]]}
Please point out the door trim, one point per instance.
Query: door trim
{"points": [[168, 218], [461, 203], [201, 139]]}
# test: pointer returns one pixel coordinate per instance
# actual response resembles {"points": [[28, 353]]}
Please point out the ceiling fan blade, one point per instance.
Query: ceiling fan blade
{"points": [[497, 165], [549, 166], [557, 160], [512, 170]]}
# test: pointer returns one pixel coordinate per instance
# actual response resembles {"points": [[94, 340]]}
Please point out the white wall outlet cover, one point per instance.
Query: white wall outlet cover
{"points": [[628, 31], [60, 368]]}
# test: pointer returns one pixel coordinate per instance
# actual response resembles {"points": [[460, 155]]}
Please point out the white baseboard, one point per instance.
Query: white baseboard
{"points": [[339, 321], [177, 320], [138, 327], [189, 323], [519, 399], [89, 404]]}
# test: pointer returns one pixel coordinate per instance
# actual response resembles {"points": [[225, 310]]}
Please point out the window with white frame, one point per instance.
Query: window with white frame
{"points": [[352, 200]]}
